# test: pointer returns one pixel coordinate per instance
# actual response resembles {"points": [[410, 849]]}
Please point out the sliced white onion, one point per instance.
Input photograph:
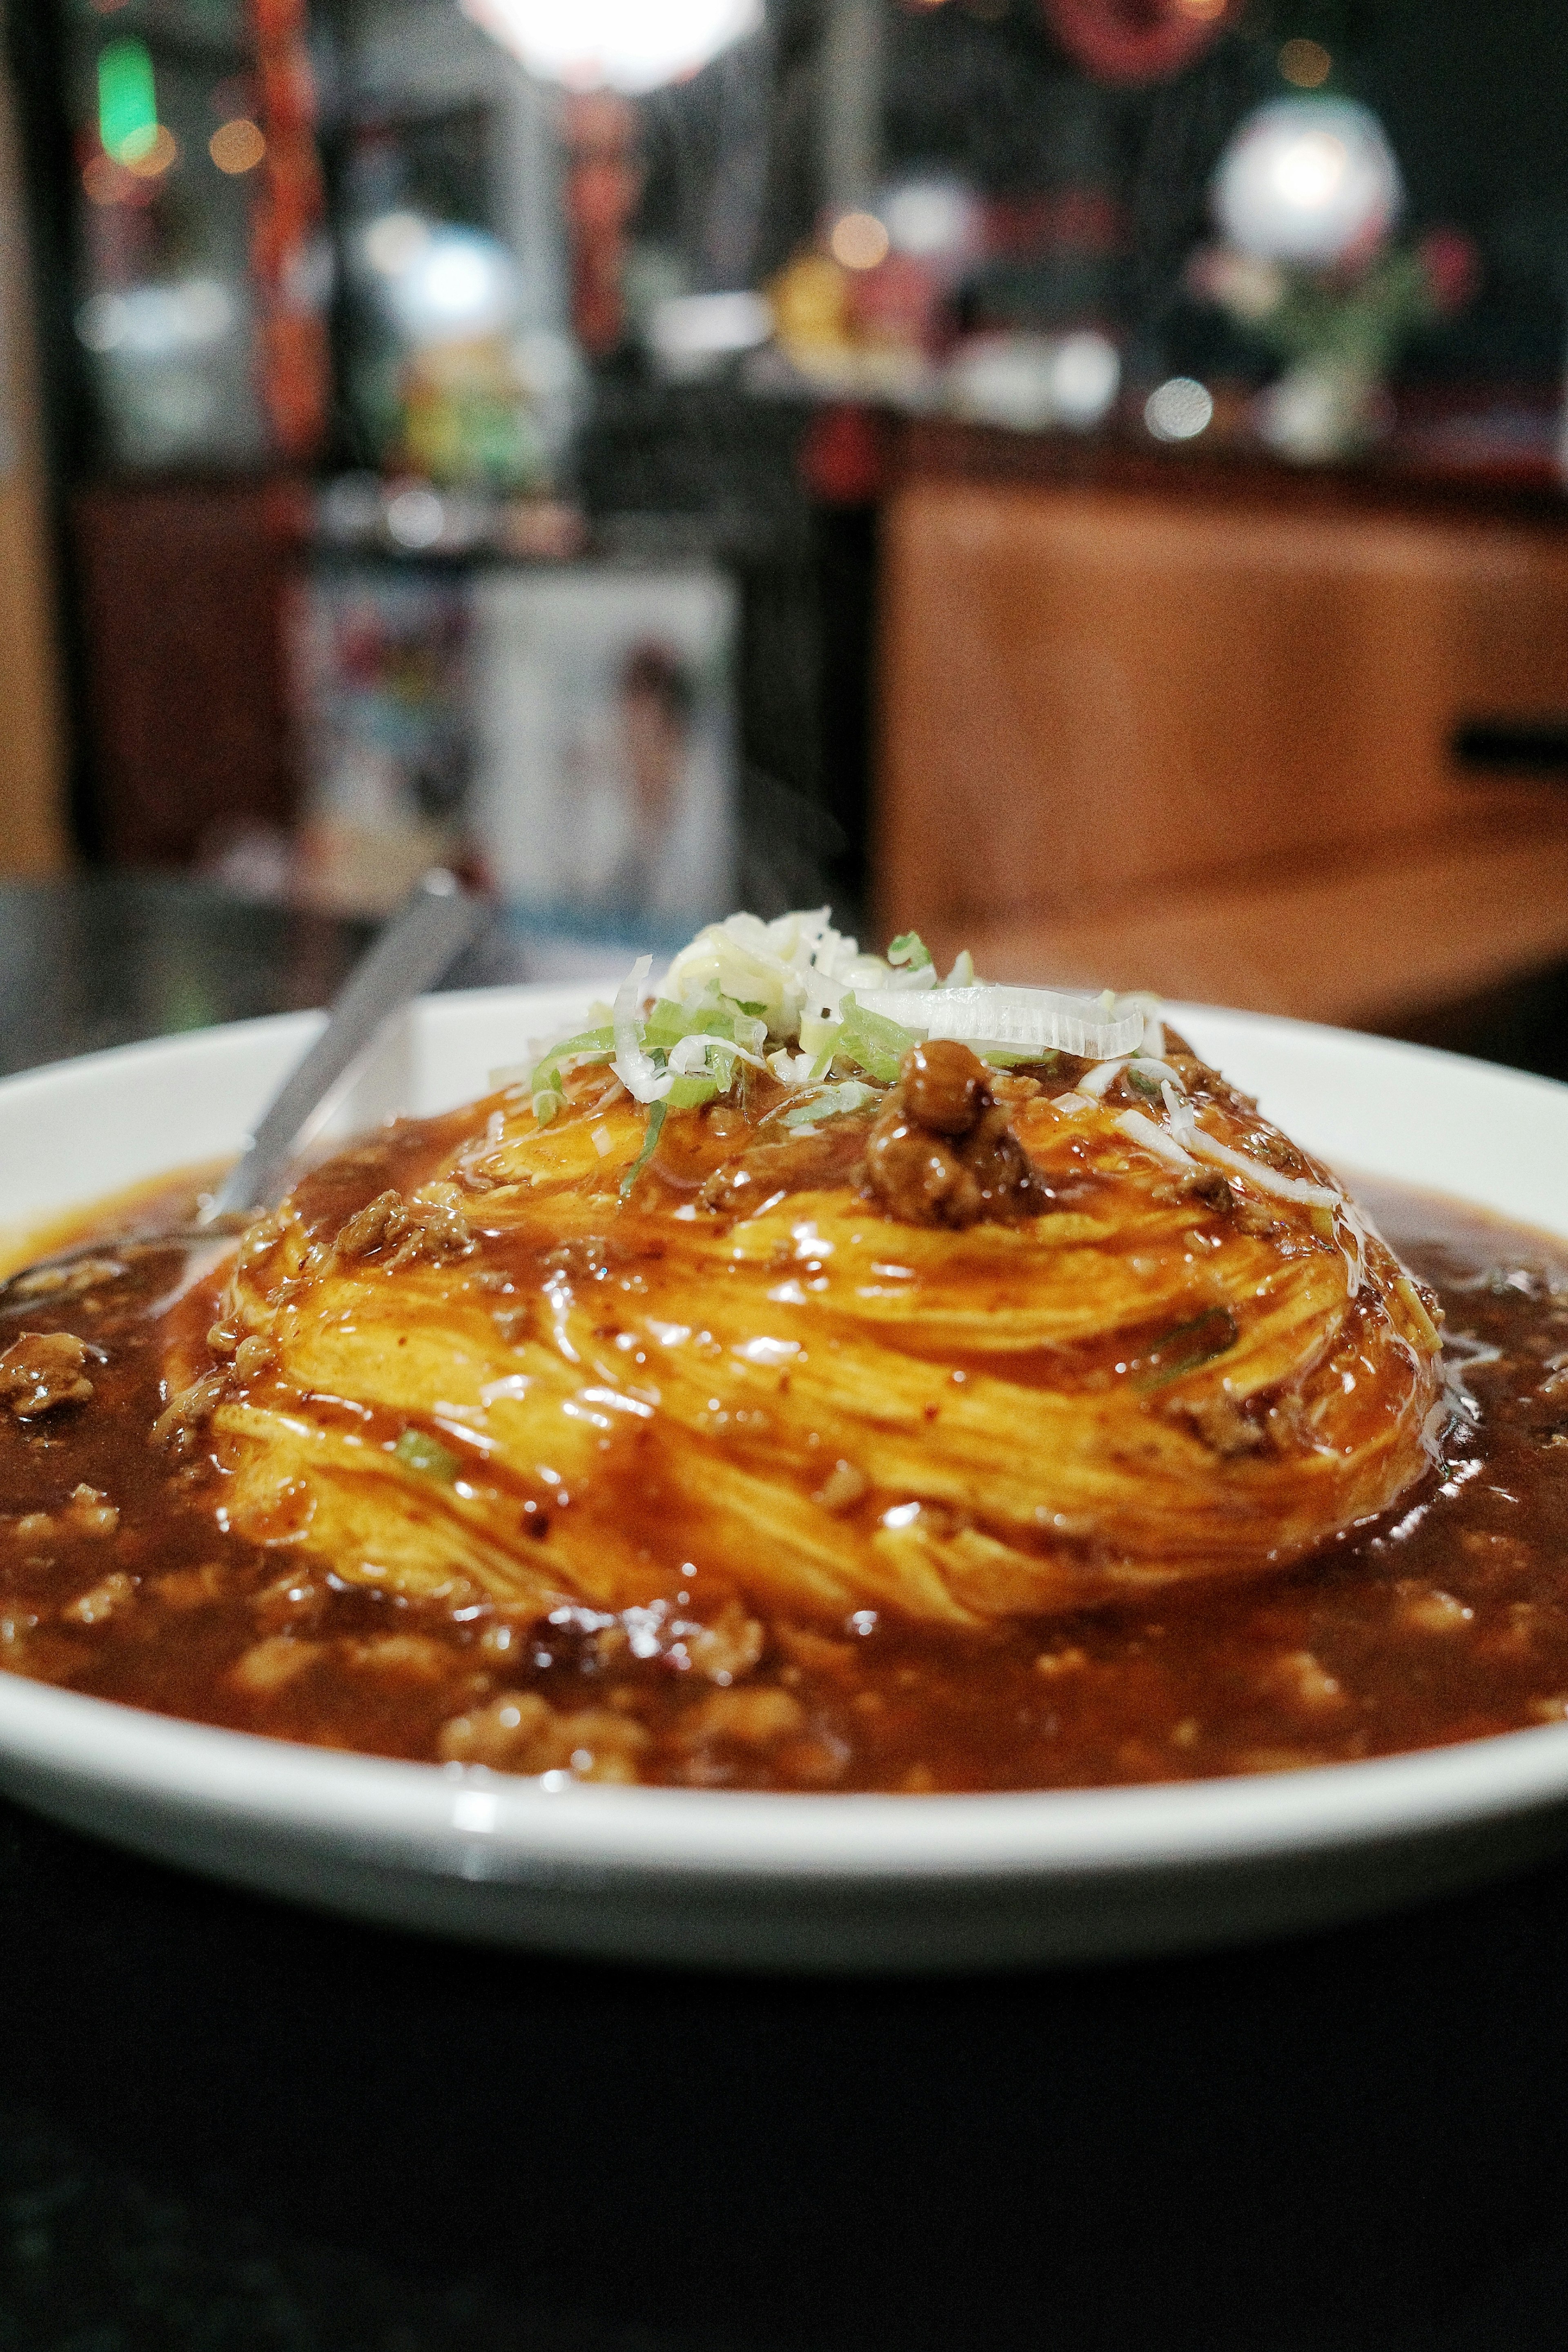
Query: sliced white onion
{"points": [[1180, 1112], [1012, 1020], [634, 1068], [1139, 1129], [693, 1057], [1096, 1083], [1355, 1222], [1072, 1106], [1263, 1178]]}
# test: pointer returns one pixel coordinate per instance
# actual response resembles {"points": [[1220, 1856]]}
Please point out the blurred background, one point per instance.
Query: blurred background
{"points": [[1084, 478]]}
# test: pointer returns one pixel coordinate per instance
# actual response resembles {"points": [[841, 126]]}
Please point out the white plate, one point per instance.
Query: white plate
{"points": [[754, 1881]]}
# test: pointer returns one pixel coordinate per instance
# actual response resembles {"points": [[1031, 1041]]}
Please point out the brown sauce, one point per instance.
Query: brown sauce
{"points": [[1445, 1620]]}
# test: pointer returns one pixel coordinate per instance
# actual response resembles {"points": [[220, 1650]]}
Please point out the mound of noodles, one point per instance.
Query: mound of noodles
{"points": [[1044, 1362]]}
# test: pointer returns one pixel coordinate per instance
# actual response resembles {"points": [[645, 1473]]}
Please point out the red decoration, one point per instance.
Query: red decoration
{"points": [[843, 456], [288, 215], [604, 181], [1137, 40]]}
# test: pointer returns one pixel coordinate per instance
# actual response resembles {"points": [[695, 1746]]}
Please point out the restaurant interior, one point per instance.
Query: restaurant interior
{"points": [[1085, 481]]}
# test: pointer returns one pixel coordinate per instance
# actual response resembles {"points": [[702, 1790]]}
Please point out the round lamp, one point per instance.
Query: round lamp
{"points": [[1309, 181], [625, 44]]}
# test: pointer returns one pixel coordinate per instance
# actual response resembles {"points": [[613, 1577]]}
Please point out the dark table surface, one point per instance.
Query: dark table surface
{"points": [[230, 2127]]}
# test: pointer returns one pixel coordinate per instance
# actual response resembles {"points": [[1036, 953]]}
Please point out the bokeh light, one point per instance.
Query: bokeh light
{"points": [[151, 160], [1306, 63], [931, 219], [153, 322], [1179, 409], [1308, 180], [625, 44], [442, 284], [107, 182], [416, 517], [1086, 377], [127, 101], [858, 241], [238, 146], [394, 242]]}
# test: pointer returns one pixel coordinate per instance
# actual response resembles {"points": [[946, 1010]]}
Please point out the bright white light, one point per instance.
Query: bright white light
{"points": [[692, 333], [1179, 409], [1310, 173], [931, 220], [627, 45], [1306, 180], [395, 242], [1030, 382], [415, 518], [1085, 377], [454, 286], [154, 322]]}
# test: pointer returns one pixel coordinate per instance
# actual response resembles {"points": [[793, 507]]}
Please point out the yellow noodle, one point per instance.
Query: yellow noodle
{"points": [[684, 1383]]}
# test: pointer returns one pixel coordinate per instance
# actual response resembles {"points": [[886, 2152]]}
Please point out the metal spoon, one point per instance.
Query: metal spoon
{"points": [[411, 952]]}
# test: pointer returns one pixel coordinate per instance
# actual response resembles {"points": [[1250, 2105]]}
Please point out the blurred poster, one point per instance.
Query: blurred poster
{"points": [[381, 687], [605, 792]]}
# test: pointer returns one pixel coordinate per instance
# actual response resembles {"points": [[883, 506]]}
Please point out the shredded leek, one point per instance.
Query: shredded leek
{"points": [[649, 1144]]}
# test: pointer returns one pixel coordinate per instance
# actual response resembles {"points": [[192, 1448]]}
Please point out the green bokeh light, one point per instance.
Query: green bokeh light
{"points": [[127, 101]]}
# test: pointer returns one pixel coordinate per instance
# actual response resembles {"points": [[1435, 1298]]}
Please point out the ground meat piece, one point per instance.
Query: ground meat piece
{"points": [[67, 1281], [90, 1513], [520, 1732], [189, 1412], [42, 1370], [1222, 1425], [434, 1230], [944, 1087], [791, 1163], [271, 1665], [752, 1718], [727, 1648], [105, 1601], [968, 1169], [1208, 1186]]}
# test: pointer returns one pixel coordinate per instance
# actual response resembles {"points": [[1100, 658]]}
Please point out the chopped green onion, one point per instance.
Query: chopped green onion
{"points": [[869, 1039], [910, 950], [1187, 1347], [688, 1094], [427, 1455], [650, 1140], [593, 1044], [830, 1102]]}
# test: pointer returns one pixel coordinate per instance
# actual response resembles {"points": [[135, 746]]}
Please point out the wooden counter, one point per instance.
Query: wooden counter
{"points": [[1182, 734]]}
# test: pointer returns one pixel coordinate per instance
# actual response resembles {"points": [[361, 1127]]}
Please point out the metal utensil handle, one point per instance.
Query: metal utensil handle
{"points": [[411, 952]]}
